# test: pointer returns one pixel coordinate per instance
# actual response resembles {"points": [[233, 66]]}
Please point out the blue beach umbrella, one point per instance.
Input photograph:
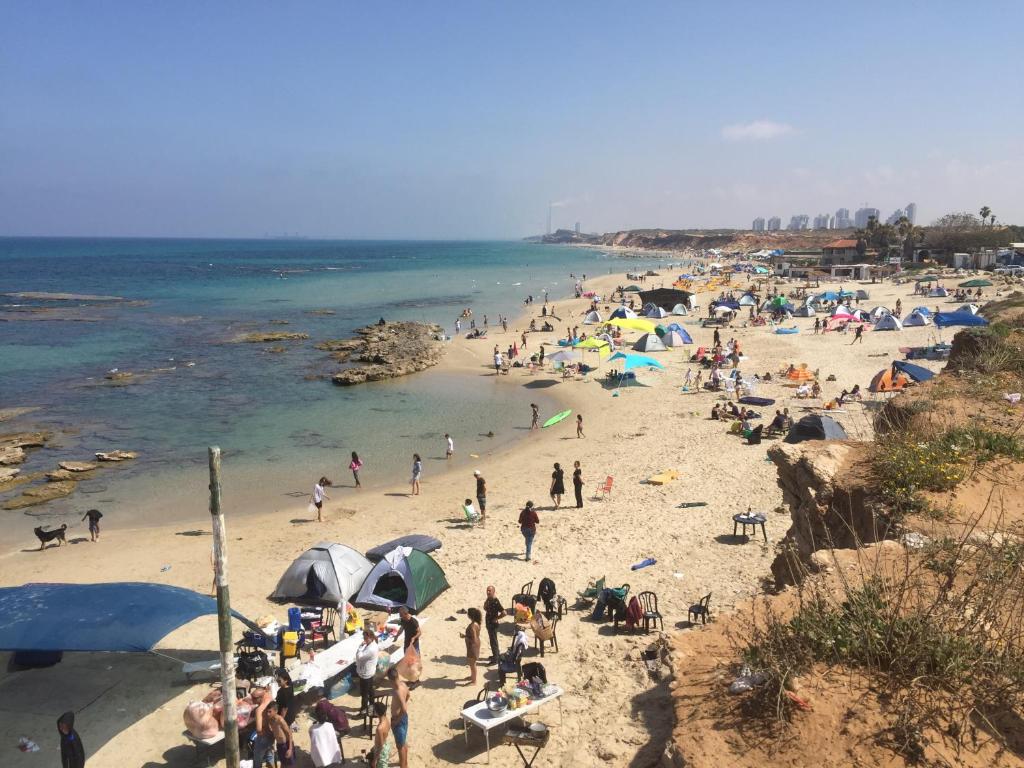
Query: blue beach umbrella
{"points": [[632, 362]]}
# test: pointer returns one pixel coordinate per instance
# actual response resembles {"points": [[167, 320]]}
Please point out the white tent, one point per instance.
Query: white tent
{"points": [[656, 312], [805, 311], [877, 313], [889, 323], [624, 313], [593, 318], [680, 309], [916, 318], [326, 574], [972, 308], [746, 300]]}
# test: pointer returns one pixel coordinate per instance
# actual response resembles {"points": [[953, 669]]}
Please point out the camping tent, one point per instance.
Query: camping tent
{"points": [[889, 323], [878, 313], [972, 308], [128, 617], [862, 294], [593, 318], [915, 372], [666, 298], [923, 310], [624, 313], [676, 338], [815, 428], [916, 318], [841, 309], [680, 309], [657, 312], [805, 311], [888, 380], [326, 574], [419, 541], [746, 300], [938, 292], [861, 316], [404, 577], [946, 319], [649, 342]]}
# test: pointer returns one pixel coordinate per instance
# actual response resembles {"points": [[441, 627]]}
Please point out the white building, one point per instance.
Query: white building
{"points": [[800, 221], [911, 212], [860, 219], [822, 221]]}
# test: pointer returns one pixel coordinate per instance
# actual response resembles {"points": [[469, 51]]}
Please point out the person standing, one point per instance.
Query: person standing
{"points": [[528, 521], [381, 753], [318, 497], [94, 516], [366, 668], [493, 612], [400, 716], [497, 362], [577, 484], [473, 642], [523, 339], [534, 416], [579, 425], [557, 485], [72, 753], [417, 473], [481, 493], [355, 465], [285, 696], [858, 335], [411, 628], [449, 446]]}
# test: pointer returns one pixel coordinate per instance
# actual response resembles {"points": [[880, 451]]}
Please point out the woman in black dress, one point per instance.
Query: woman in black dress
{"points": [[577, 484], [557, 485]]}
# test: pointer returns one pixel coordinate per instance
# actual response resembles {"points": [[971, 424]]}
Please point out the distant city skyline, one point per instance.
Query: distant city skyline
{"points": [[465, 120], [839, 220]]}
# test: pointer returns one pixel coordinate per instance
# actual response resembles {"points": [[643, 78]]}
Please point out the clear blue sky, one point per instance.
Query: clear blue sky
{"points": [[464, 119]]}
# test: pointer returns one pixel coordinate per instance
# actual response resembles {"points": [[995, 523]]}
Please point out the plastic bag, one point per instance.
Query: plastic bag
{"points": [[311, 509], [410, 668]]}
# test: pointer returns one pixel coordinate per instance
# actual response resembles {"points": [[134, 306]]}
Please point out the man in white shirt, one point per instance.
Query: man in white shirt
{"points": [[497, 363], [366, 668], [449, 446]]}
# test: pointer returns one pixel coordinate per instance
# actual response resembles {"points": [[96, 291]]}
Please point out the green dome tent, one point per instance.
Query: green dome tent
{"points": [[404, 577]]}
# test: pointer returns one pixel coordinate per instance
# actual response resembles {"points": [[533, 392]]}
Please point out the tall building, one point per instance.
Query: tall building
{"points": [[860, 219], [774, 224], [895, 216], [843, 219], [831, 222], [911, 211], [799, 221], [577, 227], [822, 221], [758, 225]]}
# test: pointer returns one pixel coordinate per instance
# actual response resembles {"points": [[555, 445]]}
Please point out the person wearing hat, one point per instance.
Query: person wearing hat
{"points": [[481, 493]]}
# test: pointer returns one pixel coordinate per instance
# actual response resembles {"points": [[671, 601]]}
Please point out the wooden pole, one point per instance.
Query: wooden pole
{"points": [[227, 653]]}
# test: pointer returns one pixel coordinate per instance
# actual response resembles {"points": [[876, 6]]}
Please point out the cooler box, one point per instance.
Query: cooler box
{"points": [[289, 644], [295, 619]]}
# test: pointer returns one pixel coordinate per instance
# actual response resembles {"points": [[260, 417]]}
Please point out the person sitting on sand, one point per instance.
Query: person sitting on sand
{"points": [[778, 423], [716, 413], [816, 389], [733, 410]]}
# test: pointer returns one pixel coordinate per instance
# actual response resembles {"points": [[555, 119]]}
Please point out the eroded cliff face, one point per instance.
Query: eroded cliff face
{"points": [[827, 491]]}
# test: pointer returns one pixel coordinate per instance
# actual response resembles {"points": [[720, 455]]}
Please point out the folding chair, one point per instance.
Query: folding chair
{"points": [[605, 489]]}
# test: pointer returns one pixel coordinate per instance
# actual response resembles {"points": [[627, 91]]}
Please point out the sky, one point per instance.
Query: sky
{"points": [[467, 119]]}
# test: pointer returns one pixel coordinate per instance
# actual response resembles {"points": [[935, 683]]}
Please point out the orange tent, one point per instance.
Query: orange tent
{"points": [[884, 381], [800, 374]]}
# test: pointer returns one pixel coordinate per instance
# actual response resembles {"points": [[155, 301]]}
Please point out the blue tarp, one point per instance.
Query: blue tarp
{"points": [[127, 616], [946, 319], [915, 372], [730, 303]]}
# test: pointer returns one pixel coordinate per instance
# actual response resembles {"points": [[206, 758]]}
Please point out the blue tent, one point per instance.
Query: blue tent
{"points": [[922, 310], [129, 617], [631, 362], [623, 313], [730, 303], [828, 296], [915, 372], [946, 319]]}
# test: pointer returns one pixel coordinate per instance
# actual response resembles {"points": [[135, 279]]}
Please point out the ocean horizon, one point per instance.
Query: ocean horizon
{"points": [[279, 420]]}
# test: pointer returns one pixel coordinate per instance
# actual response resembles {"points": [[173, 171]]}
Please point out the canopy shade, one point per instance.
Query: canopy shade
{"points": [[979, 283], [129, 617], [634, 324], [631, 362], [666, 298]]}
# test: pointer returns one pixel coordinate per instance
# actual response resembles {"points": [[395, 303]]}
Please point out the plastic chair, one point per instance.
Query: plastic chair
{"points": [[592, 592], [378, 698], [649, 604], [606, 488], [510, 662], [701, 608], [547, 634], [324, 628]]}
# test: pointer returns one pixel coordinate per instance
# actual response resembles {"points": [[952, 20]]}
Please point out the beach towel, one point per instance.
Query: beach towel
{"points": [[634, 613], [323, 745], [663, 477], [751, 400]]}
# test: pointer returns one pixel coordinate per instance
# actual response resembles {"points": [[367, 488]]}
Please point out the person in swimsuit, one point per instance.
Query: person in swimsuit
{"points": [[534, 416], [473, 641], [355, 465], [417, 472], [381, 756], [400, 716]]}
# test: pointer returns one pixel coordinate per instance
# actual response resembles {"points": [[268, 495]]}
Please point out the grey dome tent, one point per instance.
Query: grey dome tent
{"points": [[326, 574], [404, 577], [746, 300], [624, 313], [649, 342], [889, 323], [815, 428], [680, 309], [916, 318], [593, 317], [655, 312], [805, 311]]}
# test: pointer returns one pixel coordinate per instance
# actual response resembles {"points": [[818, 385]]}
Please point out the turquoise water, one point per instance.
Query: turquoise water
{"points": [[277, 416]]}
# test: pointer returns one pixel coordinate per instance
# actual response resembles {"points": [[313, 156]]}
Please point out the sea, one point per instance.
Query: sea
{"points": [[277, 417]]}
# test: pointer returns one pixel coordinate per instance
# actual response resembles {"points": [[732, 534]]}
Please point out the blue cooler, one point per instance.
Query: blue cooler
{"points": [[295, 619]]}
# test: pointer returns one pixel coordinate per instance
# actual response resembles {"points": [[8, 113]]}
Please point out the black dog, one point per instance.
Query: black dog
{"points": [[45, 537]]}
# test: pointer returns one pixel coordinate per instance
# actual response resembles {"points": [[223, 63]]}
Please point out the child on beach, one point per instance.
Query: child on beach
{"points": [[579, 425], [417, 472], [318, 497], [449, 447], [355, 465], [534, 416]]}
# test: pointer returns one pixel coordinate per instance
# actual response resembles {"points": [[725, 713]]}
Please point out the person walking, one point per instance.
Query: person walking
{"points": [[72, 753], [481, 493], [355, 465], [473, 642], [858, 335], [449, 446], [577, 484], [417, 473], [318, 497], [528, 525], [534, 416], [579, 425], [366, 669], [557, 485], [493, 613], [94, 516]]}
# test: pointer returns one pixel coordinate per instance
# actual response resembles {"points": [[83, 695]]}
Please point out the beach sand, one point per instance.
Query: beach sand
{"points": [[129, 707]]}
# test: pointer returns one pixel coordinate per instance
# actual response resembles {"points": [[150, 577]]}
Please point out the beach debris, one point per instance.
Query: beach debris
{"points": [[25, 744], [1012, 399], [746, 681], [691, 504], [643, 564], [116, 455], [165, 569], [914, 540]]}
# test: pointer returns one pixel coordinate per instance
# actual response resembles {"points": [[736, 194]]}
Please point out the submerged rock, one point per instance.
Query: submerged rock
{"points": [[77, 466], [116, 455], [389, 351], [257, 337], [41, 494]]}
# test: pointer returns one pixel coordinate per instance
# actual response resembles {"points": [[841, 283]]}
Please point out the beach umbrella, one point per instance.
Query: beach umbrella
{"points": [[977, 283], [928, 279], [947, 319], [633, 324], [828, 296], [723, 310], [563, 356], [632, 362]]}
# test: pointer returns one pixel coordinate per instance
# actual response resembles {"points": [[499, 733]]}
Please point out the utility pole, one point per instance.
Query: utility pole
{"points": [[227, 655]]}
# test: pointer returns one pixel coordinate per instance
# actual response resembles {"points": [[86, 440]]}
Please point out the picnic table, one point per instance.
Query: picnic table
{"points": [[482, 717], [340, 658]]}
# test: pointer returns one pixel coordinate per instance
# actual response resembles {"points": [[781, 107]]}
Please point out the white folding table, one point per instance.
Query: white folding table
{"points": [[480, 716]]}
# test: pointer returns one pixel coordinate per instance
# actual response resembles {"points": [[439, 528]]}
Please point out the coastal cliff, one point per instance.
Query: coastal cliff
{"points": [[692, 240], [386, 351]]}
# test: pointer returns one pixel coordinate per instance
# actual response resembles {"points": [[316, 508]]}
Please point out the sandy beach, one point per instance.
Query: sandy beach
{"points": [[129, 707]]}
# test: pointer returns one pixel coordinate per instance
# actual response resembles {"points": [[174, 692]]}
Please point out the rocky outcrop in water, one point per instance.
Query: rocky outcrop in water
{"points": [[386, 351], [115, 455], [13, 445], [257, 337]]}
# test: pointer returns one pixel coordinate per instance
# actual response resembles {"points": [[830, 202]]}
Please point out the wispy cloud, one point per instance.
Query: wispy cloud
{"points": [[758, 130]]}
